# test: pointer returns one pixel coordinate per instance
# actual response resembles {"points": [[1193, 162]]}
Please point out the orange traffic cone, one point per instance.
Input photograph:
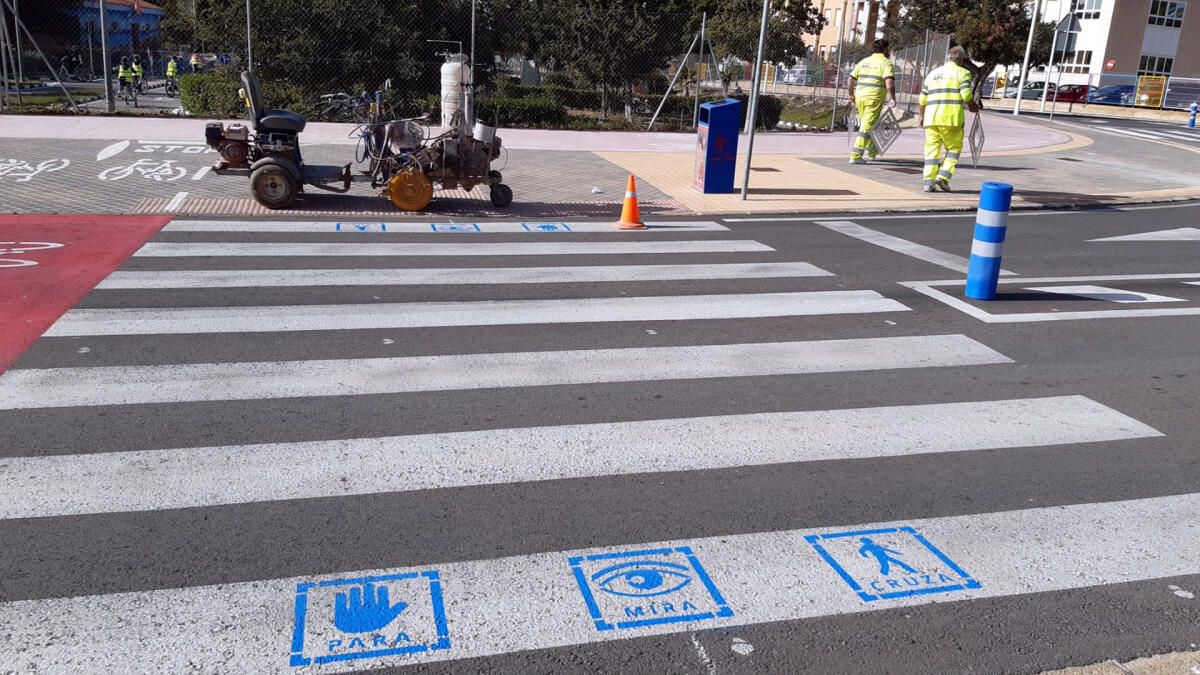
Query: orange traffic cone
{"points": [[630, 218]]}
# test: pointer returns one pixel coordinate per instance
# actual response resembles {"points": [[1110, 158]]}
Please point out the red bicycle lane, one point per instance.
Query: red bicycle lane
{"points": [[49, 262]]}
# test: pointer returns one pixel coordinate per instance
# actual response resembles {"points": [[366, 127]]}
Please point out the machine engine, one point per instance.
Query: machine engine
{"points": [[232, 142]]}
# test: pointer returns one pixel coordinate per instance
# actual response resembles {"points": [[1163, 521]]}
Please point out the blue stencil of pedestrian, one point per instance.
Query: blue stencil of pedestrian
{"points": [[883, 555]]}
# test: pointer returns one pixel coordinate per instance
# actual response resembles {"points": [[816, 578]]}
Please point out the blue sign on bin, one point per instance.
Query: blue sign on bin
{"points": [[716, 146]]}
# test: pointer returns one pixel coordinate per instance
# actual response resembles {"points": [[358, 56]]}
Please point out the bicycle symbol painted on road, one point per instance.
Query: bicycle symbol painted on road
{"points": [[24, 171], [157, 170], [22, 247]]}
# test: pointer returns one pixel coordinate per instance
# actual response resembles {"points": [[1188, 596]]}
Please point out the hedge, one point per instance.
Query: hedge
{"points": [[522, 112], [215, 94]]}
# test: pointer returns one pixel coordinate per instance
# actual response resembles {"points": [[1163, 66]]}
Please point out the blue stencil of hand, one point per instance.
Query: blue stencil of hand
{"points": [[365, 610]]}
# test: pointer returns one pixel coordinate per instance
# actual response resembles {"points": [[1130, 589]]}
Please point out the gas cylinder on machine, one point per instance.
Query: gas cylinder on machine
{"points": [[456, 86]]}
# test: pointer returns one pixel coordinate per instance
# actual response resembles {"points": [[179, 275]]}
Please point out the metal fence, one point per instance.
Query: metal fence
{"points": [[581, 64]]}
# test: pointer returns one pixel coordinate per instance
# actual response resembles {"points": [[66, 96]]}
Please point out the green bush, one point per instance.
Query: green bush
{"points": [[769, 110], [522, 112], [215, 94]]}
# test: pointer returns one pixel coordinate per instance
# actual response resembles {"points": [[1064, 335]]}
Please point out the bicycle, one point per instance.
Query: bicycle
{"points": [[342, 107], [128, 93], [80, 73], [172, 86]]}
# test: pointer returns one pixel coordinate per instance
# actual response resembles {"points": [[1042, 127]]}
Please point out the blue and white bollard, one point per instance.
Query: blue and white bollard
{"points": [[991, 222], [1192, 119]]}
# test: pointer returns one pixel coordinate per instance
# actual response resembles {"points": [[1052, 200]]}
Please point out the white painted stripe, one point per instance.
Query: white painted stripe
{"points": [[991, 218], [903, 246], [62, 387], [1176, 234], [1136, 134], [414, 227], [32, 487], [986, 249], [175, 202], [964, 215], [179, 320], [454, 276], [200, 172], [372, 248], [533, 601], [1104, 293]]}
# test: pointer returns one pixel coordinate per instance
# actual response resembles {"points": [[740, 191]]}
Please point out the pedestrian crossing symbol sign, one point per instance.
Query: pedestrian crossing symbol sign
{"points": [[890, 563], [645, 588], [368, 617]]}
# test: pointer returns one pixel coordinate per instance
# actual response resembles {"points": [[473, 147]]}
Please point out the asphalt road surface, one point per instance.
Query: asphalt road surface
{"points": [[1171, 133], [785, 445]]}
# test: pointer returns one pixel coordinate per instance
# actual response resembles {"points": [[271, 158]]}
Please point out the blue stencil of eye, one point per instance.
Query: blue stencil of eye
{"points": [[643, 579]]}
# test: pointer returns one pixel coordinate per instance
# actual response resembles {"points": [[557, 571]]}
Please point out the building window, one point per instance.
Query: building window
{"points": [[1086, 9], [1155, 65], [1167, 13], [1074, 62], [823, 52]]}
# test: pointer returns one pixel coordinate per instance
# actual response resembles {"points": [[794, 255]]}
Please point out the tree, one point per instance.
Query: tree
{"points": [[993, 32], [735, 24]]}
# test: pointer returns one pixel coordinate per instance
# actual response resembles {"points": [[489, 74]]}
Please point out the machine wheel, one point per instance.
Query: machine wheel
{"points": [[273, 187], [410, 190], [495, 176], [501, 195]]}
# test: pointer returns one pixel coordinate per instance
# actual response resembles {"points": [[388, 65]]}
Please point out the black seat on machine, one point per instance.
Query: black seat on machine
{"points": [[269, 120]]}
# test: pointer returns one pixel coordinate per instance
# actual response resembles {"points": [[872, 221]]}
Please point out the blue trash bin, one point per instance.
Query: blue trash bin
{"points": [[716, 146]]}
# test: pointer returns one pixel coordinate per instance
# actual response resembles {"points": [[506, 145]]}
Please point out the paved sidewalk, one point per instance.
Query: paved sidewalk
{"points": [[1179, 663], [146, 165]]}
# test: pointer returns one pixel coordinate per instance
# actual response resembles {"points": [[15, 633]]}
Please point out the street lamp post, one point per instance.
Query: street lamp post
{"points": [[1033, 19]]}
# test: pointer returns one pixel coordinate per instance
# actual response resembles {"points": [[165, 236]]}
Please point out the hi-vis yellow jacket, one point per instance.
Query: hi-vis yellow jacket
{"points": [[872, 73], [945, 94]]}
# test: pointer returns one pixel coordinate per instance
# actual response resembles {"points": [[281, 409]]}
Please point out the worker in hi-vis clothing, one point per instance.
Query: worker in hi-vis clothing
{"points": [[946, 91], [872, 82]]}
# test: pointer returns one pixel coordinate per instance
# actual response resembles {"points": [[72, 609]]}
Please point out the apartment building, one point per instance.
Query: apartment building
{"points": [[864, 21], [1127, 38]]}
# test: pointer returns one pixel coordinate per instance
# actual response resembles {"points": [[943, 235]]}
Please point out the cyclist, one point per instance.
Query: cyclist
{"points": [[139, 75], [124, 75], [172, 73], [197, 63]]}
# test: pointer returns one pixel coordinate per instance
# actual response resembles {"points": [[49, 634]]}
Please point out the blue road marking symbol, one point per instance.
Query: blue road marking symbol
{"points": [[892, 563], [546, 227], [368, 617], [361, 227], [455, 227], [644, 588]]}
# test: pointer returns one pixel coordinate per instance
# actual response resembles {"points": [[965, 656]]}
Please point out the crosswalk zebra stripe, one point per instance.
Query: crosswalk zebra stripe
{"points": [[412, 227], [533, 602], [193, 477], [1153, 136], [121, 385], [180, 320], [174, 250], [438, 276]]}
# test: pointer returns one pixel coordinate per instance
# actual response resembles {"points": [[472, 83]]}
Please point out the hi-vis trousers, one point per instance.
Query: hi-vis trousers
{"points": [[868, 116], [935, 138]]}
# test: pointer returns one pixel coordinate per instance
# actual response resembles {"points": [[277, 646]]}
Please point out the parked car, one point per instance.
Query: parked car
{"points": [[1073, 93], [1033, 90], [1113, 94]]}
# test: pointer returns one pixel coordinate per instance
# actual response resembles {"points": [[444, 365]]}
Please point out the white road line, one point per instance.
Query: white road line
{"points": [[175, 202], [32, 487], [1104, 293], [62, 387], [1136, 134], [534, 601], [903, 246], [454, 276], [1176, 234], [180, 320], [370, 248], [930, 289], [200, 172], [965, 215], [378, 227]]}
